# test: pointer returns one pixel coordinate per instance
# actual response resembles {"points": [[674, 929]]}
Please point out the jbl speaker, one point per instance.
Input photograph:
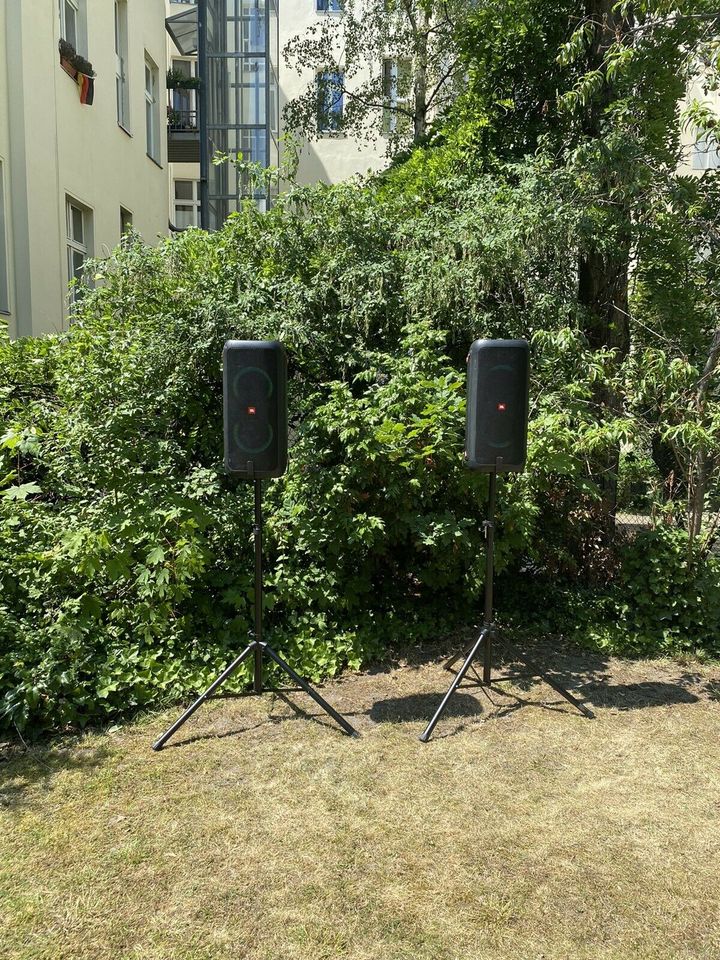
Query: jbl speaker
{"points": [[255, 408], [498, 384]]}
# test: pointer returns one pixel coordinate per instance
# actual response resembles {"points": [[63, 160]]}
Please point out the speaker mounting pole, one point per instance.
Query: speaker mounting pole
{"points": [[257, 535], [489, 632]]}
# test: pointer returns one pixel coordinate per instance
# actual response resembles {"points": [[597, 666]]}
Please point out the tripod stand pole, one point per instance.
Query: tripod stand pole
{"points": [[489, 577], [257, 530], [485, 638]]}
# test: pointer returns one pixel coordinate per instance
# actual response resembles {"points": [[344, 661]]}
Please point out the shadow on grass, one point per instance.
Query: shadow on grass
{"points": [[587, 674], [421, 706], [314, 714], [24, 774]]}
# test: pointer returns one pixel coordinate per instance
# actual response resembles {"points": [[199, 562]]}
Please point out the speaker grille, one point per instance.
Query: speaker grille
{"points": [[255, 407], [497, 405]]}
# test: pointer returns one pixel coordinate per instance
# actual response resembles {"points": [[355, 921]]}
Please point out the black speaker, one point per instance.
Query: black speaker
{"points": [[498, 386], [255, 408]]}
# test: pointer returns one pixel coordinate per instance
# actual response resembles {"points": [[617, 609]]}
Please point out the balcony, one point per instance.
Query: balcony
{"points": [[183, 136]]}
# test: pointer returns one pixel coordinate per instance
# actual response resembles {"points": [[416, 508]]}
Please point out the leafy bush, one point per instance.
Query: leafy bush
{"points": [[669, 595], [125, 552]]}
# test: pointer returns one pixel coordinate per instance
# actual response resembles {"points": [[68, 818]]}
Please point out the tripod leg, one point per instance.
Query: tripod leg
{"points": [[227, 672], [454, 685], [449, 664], [338, 718]]}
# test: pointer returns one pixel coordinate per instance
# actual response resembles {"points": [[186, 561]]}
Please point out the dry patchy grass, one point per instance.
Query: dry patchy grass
{"points": [[521, 831]]}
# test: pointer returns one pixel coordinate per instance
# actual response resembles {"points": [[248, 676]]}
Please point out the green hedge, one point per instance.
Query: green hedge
{"points": [[125, 552]]}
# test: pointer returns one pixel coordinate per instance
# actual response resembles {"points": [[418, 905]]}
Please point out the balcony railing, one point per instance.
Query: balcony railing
{"points": [[182, 121]]}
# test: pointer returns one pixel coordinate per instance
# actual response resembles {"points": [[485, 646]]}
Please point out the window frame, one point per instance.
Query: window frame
{"points": [[79, 7], [126, 220], [705, 154], [193, 202], [391, 97], [333, 8], [324, 112], [72, 245], [185, 119], [152, 110], [122, 85]]}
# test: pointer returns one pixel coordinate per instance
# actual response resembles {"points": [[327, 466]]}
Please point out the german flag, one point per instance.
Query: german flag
{"points": [[86, 85]]}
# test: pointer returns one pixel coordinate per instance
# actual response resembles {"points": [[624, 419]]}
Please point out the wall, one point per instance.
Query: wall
{"points": [[332, 158], [62, 147], [6, 150]]}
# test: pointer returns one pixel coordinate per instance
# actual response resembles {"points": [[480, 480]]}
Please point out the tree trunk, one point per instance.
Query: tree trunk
{"points": [[603, 278], [420, 81], [603, 291], [699, 466]]}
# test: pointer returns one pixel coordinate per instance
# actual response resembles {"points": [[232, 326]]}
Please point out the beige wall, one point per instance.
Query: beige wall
{"points": [[332, 158], [690, 164], [60, 147]]}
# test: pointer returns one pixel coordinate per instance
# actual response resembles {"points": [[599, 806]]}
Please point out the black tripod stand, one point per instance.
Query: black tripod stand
{"points": [[258, 647], [488, 634]]}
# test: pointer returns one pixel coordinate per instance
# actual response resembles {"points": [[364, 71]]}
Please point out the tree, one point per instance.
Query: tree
{"points": [[385, 67], [593, 87]]}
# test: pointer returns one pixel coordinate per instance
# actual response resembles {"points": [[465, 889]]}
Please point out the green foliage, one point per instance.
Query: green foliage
{"points": [[125, 552], [665, 601], [669, 596]]}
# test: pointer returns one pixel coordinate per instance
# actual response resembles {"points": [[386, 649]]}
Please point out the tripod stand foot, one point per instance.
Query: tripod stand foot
{"points": [[227, 672], [304, 685]]}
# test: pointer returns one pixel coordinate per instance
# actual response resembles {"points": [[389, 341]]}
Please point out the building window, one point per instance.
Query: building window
{"points": [[73, 24], [79, 244], [126, 221], [4, 284], [330, 101], [183, 103], [706, 154], [70, 21], [121, 60], [152, 110], [397, 88], [329, 6], [187, 203]]}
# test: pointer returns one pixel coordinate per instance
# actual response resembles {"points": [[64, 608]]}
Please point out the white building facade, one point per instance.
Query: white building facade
{"points": [[81, 157]]}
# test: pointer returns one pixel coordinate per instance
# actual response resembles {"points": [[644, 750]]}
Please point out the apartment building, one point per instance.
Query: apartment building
{"points": [[249, 84], [83, 149]]}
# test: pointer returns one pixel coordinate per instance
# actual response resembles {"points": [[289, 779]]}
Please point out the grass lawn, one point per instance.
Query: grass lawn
{"points": [[522, 830]]}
